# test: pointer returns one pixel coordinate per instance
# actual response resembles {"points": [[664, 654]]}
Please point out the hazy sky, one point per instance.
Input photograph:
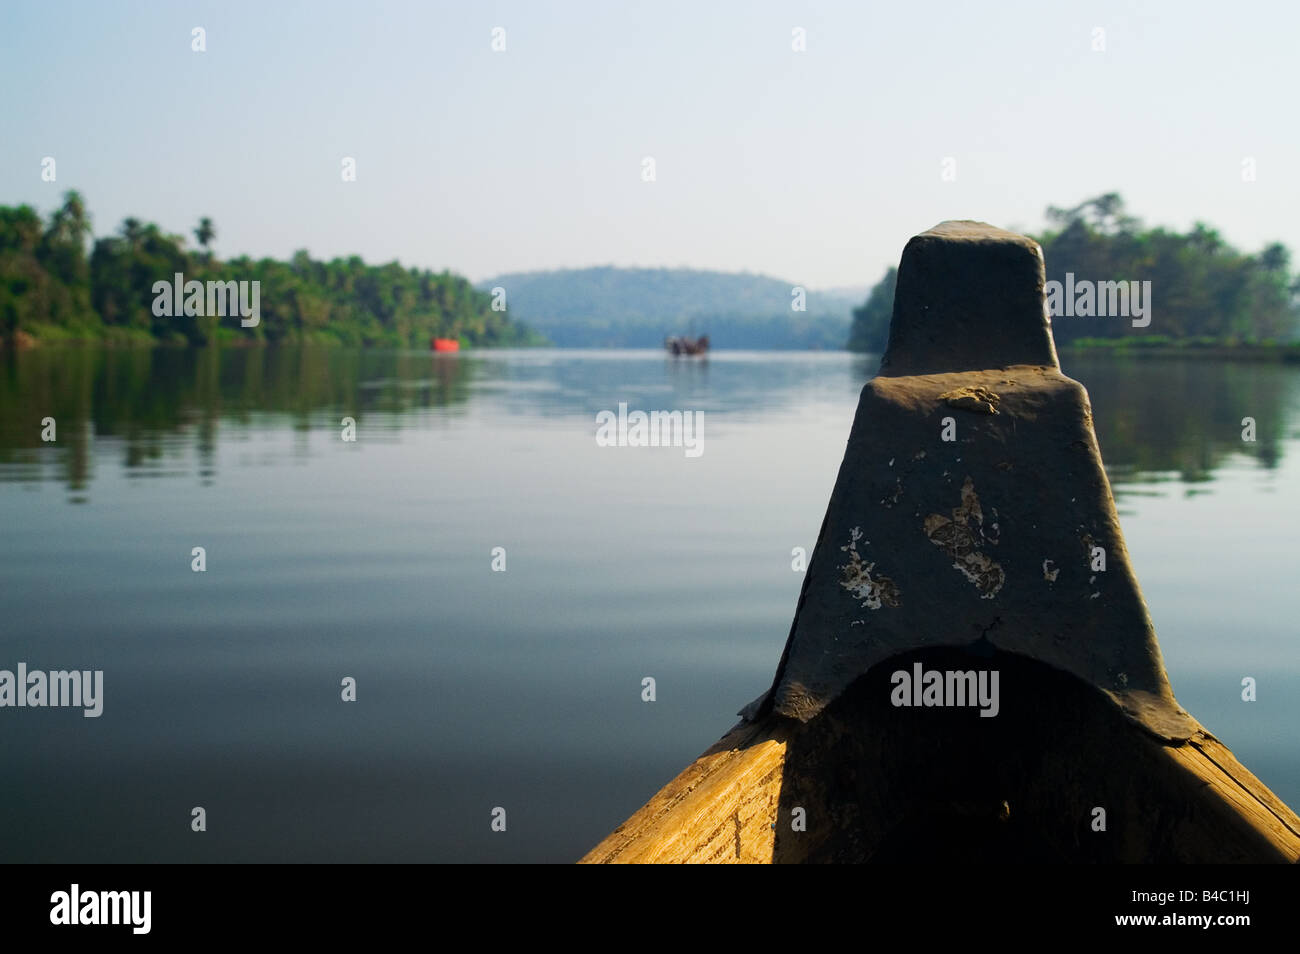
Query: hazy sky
{"points": [[812, 166]]}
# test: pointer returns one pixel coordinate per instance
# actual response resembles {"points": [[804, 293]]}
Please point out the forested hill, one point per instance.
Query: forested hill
{"points": [[637, 307], [1198, 289], [56, 285]]}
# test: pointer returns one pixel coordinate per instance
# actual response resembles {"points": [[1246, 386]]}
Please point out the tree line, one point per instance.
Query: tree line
{"points": [[55, 284], [1204, 291]]}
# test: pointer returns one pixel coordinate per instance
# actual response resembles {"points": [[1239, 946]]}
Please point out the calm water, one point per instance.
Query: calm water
{"points": [[519, 689]]}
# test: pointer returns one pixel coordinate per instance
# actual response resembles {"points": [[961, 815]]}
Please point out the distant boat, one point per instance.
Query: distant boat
{"points": [[687, 346], [446, 344]]}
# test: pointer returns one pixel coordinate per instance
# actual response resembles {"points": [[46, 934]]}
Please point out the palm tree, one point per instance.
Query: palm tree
{"points": [[205, 233], [71, 221], [133, 232], [1275, 258]]}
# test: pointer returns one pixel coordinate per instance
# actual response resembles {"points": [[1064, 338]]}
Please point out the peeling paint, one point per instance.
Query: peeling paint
{"points": [[1051, 574], [857, 579], [893, 498], [959, 535], [981, 400]]}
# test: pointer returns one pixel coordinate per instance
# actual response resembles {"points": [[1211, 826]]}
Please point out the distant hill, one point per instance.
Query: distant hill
{"points": [[637, 307]]}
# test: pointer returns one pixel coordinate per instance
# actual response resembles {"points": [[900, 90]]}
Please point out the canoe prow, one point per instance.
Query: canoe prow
{"points": [[971, 671]]}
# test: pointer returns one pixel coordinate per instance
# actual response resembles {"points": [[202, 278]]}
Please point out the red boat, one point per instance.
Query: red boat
{"points": [[446, 344]]}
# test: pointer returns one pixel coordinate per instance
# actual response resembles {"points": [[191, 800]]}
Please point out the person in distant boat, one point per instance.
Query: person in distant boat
{"points": [[688, 346]]}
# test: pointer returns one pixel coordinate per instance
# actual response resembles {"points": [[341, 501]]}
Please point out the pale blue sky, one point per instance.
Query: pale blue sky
{"points": [[815, 167]]}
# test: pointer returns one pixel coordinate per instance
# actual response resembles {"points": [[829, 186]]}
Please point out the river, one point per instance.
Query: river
{"points": [[521, 686]]}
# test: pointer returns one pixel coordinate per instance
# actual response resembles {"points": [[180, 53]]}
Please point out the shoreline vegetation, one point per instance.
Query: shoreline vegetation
{"points": [[52, 291], [57, 287], [1205, 298]]}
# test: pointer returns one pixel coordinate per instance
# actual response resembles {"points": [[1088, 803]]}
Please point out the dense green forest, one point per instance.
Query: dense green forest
{"points": [[52, 288], [611, 307], [1203, 291]]}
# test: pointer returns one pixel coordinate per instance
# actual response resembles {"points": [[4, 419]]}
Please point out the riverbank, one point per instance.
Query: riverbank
{"points": [[1162, 347], [135, 338]]}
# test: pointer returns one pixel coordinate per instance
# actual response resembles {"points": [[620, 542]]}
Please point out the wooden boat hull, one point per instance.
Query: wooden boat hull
{"points": [[876, 786]]}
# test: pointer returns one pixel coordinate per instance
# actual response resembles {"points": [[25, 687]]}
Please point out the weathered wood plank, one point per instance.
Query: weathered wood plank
{"points": [[1239, 800], [720, 809]]}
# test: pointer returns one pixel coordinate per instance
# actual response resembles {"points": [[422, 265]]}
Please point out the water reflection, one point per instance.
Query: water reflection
{"points": [[1182, 419], [1155, 419], [155, 402]]}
